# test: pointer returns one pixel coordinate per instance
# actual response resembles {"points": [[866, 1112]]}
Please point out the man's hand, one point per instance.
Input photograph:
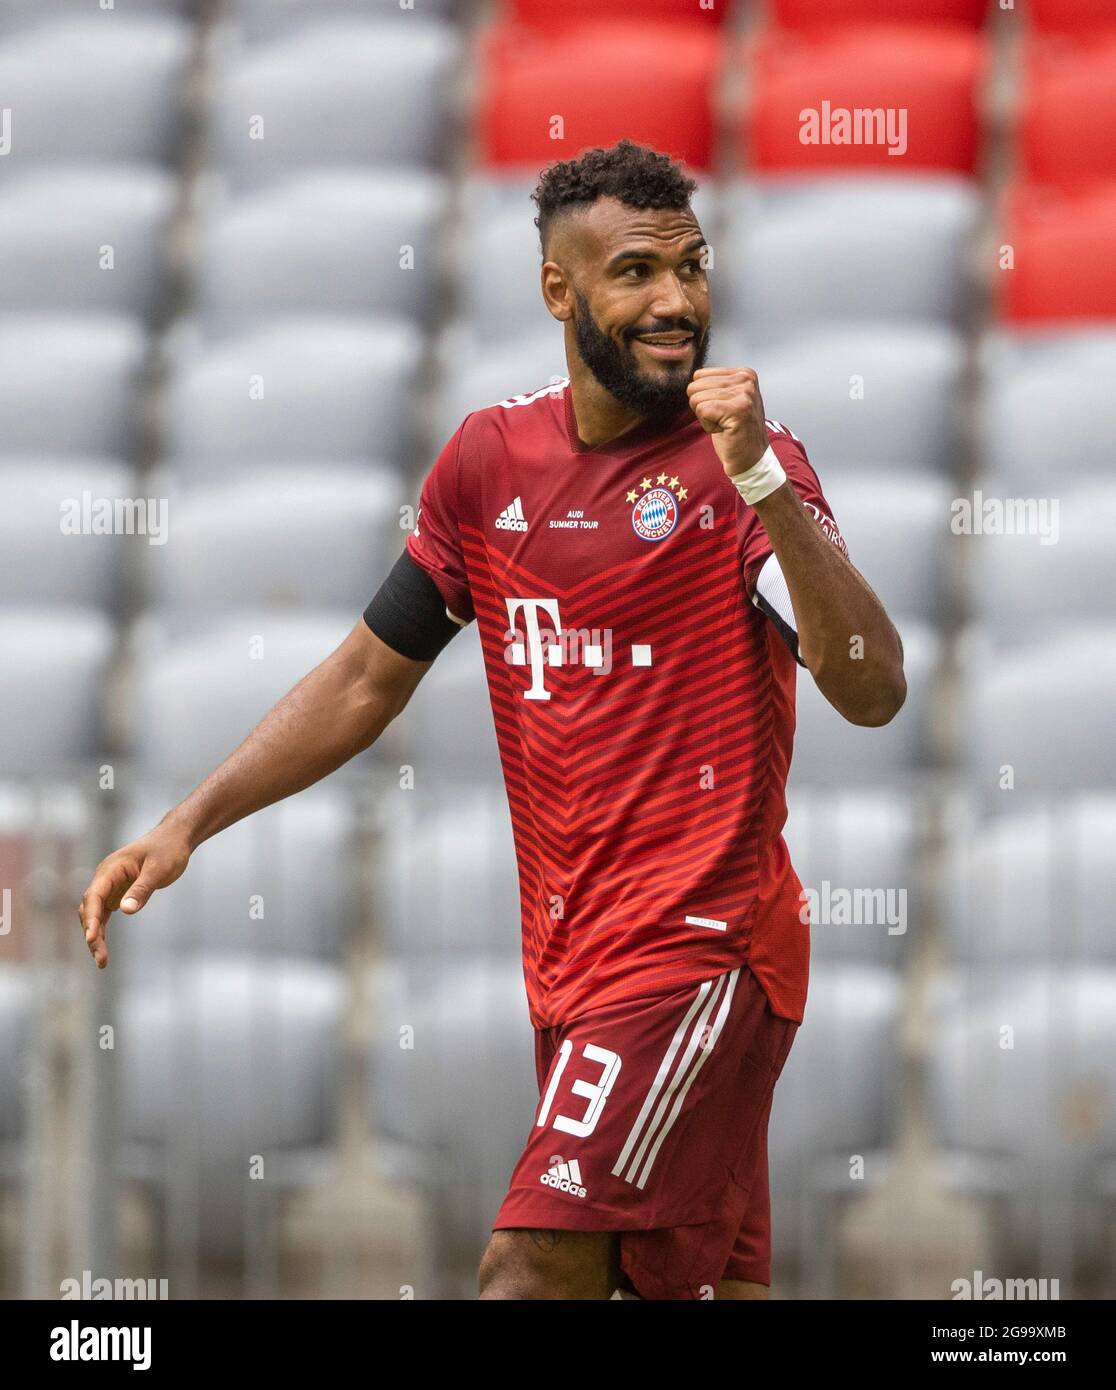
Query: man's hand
{"points": [[728, 403], [127, 878]]}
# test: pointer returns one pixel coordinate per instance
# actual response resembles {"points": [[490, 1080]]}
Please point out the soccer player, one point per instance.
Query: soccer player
{"points": [[646, 558]]}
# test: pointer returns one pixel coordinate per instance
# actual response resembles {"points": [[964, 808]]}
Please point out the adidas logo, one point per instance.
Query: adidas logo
{"points": [[512, 518], [565, 1177]]}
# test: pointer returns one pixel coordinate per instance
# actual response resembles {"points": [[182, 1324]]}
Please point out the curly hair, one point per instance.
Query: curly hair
{"points": [[637, 176]]}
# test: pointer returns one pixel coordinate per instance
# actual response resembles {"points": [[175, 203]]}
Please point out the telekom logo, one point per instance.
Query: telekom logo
{"points": [[555, 645]]}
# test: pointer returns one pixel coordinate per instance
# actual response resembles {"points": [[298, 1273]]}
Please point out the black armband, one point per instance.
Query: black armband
{"points": [[409, 613]]}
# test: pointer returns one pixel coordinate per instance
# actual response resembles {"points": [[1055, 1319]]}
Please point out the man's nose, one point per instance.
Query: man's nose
{"points": [[671, 300]]}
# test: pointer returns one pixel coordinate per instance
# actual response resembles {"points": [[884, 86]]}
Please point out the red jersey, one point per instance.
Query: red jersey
{"points": [[644, 705]]}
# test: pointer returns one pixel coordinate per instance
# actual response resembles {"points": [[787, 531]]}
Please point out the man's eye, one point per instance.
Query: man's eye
{"points": [[637, 271]]}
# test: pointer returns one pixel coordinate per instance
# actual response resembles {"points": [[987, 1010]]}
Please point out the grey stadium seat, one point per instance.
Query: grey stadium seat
{"points": [[331, 391], [449, 882], [907, 419], [473, 379], [326, 242], [41, 563], [103, 88], [854, 853], [1044, 711], [224, 1062], [278, 883], [321, 536], [18, 13], [55, 662], [897, 531], [838, 1096], [1027, 1117], [1049, 410], [498, 265], [265, 18], [461, 748], [334, 93], [68, 383], [53, 227], [1026, 588], [829, 751], [1032, 884], [200, 691], [799, 253], [453, 1093]]}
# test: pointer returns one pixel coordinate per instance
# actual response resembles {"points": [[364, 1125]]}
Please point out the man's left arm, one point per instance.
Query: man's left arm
{"points": [[845, 638]]}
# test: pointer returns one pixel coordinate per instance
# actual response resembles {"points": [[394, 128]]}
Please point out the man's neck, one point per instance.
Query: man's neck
{"points": [[599, 416]]}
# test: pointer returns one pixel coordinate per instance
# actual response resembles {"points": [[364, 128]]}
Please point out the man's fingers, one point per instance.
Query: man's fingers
{"points": [[148, 880], [92, 910], [98, 903], [707, 373]]}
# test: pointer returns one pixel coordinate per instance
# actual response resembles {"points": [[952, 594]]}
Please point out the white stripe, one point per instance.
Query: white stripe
{"points": [[693, 1046], [771, 586], [708, 922], [519, 509], [664, 1070], [548, 1100], [575, 1172], [722, 1014], [524, 398]]}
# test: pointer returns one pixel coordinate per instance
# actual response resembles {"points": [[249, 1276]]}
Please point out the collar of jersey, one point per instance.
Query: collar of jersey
{"points": [[645, 432]]}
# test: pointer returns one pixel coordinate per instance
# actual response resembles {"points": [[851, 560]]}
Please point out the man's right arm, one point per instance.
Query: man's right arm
{"points": [[336, 711]]}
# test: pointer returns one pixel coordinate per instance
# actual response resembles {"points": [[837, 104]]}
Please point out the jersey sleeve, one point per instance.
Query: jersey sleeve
{"points": [[435, 543], [763, 578]]}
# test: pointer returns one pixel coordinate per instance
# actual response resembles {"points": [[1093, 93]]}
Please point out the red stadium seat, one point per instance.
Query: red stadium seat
{"points": [[651, 83], [1064, 269], [923, 78], [1071, 16], [822, 14], [559, 14], [1067, 130]]}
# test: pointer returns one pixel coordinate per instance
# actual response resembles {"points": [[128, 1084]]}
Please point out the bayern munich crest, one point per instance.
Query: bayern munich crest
{"points": [[655, 514]]}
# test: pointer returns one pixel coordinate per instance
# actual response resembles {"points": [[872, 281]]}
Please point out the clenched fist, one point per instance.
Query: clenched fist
{"points": [[728, 403]]}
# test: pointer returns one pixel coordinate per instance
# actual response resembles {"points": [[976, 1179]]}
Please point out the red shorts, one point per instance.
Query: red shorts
{"points": [[652, 1122]]}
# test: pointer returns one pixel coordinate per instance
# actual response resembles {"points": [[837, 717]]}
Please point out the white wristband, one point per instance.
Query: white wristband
{"points": [[761, 479]]}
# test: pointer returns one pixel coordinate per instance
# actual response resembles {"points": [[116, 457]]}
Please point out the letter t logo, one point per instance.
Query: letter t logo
{"points": [[534, 651]]}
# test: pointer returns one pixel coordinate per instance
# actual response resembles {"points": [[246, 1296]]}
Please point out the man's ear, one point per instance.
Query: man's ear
{"points": [[557, 292]]}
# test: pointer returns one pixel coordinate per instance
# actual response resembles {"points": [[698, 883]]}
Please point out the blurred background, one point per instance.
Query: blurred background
{"points": [[257, 260]]}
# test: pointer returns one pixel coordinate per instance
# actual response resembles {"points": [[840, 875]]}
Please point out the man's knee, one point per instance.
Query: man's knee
{"points": [[523, 1264]]}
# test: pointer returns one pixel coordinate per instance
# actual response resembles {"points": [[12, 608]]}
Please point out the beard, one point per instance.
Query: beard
{"points": [[616, 368]]}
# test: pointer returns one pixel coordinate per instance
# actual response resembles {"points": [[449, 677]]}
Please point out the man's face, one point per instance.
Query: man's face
{"points": [[640, 301]]}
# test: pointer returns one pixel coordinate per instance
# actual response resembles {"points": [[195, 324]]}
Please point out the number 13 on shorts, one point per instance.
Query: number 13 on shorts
{"points": [[595, 1092]]}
